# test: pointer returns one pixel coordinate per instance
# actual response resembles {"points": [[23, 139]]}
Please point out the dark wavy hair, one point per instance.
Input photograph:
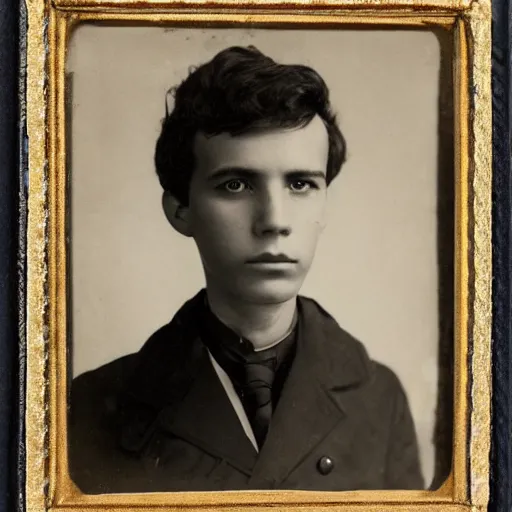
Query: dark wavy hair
{"points": [[238, 91]]}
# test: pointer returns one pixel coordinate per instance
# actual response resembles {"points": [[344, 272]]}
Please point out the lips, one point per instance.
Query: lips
{"points": [[267, 257]]}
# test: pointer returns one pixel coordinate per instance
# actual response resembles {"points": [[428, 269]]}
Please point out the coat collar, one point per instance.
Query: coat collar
{"points": [[174, 387], [329, 363]]}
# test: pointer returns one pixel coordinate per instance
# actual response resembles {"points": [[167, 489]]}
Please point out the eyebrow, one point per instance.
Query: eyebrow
{"points": [[245, 172]]}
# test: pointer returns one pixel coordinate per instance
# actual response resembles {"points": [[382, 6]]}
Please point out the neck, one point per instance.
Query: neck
{"points": [[261, 324]]}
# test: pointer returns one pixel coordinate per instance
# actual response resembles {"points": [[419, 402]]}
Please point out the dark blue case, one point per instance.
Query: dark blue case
{"points": [[9, 233], [501, 451], [13, 173]]}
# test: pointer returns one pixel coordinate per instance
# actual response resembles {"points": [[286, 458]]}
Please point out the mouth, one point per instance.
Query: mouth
{"points": [[268, 258]]}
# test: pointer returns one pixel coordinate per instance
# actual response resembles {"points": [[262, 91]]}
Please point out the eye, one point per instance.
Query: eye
{"points": [[301, 185], [235, 186]]}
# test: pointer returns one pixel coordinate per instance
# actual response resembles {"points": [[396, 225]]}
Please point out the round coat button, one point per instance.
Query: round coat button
{"points": [[325, 465]]}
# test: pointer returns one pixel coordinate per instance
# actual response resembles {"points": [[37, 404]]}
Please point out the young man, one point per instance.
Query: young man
{"points": [[250, 386]]}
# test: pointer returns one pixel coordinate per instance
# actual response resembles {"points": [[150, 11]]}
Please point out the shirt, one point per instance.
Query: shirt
{"points": [[228, 351]]}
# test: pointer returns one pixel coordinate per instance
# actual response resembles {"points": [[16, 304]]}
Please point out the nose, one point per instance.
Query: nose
{"points": [[271, 216]]}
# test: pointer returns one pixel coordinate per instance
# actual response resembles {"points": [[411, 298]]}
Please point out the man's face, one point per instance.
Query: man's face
{"points": [[256, 210]]}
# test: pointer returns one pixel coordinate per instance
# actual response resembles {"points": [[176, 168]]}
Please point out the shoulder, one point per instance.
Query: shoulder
{"points": [[346, 359], [102, 380], [386, 381], [94, 400], [97, 390]]}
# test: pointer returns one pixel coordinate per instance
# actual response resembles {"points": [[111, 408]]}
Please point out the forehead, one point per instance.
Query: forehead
{"points": [[265, 151]]}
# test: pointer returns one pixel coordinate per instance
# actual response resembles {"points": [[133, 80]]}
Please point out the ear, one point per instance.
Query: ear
{"points": [[177, 214]]}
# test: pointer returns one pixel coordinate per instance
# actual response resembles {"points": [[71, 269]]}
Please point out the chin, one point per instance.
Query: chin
{"points": [[269, 292]]}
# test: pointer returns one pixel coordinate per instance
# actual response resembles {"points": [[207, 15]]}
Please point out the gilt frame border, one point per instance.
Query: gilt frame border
{"points": [[47, 484]]}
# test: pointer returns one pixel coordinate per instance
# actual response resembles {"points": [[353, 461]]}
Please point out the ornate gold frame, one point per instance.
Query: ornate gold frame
{"points": [[48, 486]]}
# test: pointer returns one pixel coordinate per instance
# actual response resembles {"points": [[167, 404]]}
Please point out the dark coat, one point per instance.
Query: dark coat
{"points": [[160, 420]]}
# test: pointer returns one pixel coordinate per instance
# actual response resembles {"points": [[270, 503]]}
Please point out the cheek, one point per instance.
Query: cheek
{"points": [[219, 223], [311, 216]]}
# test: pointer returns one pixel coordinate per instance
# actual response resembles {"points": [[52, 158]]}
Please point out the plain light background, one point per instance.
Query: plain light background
{"points": [[376, 266]]}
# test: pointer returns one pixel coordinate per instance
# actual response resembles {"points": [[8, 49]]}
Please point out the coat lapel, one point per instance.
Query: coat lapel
{"points": [[175, 389], [328, 363], [206, 419]]}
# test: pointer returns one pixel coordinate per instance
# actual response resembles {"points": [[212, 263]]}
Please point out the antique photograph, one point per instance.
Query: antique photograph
{"points": [[260, 258], [255, 260]]}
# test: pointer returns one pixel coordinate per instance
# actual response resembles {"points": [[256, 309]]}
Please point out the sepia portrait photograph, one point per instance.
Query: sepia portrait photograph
{"points": [[258, 256], [261, 248]]}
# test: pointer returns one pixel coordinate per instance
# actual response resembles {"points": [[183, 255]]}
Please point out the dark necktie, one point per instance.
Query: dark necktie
{"points": [[257, 391]]}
